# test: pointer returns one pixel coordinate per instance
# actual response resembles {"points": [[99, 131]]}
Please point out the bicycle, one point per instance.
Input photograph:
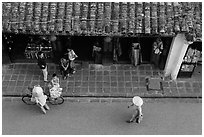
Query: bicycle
{"points": [[54, 101]]}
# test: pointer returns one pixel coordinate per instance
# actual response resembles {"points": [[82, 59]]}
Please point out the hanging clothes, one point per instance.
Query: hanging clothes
{"points": [[135, 54], [117, 51], [157, 49], [97, 54]]}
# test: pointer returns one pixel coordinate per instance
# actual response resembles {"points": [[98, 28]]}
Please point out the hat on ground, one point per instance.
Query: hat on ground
{"points": [[137, 101]]}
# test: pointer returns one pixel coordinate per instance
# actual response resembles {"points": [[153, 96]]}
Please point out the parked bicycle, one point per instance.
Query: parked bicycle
{"points": [[54, 101]]}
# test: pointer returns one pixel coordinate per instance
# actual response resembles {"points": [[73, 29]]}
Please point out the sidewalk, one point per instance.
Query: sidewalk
{"points": [[99, 81]]}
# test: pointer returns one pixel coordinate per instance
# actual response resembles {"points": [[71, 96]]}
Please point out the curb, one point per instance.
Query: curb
{"points": [[116, 100]]}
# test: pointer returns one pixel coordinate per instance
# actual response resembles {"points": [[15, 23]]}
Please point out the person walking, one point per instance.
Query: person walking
{"points": [[42, 64]]}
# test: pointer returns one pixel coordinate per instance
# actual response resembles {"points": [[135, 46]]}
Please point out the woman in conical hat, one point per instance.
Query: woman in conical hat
{"points": [[137, 116], [137, 101]]}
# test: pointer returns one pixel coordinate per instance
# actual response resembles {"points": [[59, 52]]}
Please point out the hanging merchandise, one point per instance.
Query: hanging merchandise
{"points": [[117, 51], [131, 22], [190, 60], [135, 54], [157, 49], [36, 45], [68, 17], [107, 17], [154, 25], [139, 17], [147, 17]]}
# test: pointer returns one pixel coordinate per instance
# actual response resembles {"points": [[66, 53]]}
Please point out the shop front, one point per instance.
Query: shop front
{"points": [[98, 32]]}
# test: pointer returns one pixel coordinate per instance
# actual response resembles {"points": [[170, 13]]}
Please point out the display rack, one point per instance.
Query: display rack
{"points": [[190, 60]]}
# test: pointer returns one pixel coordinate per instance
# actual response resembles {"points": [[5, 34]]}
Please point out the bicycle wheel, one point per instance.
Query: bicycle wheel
{"points": [[27, 100], [56, 101]]}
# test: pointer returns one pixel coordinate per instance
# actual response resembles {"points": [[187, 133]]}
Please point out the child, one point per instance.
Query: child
{"points": [[39, 97], [137, 116], [55, 90]]}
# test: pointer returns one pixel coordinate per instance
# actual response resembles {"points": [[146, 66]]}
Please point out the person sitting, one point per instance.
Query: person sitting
{"points": [[55, 90]]}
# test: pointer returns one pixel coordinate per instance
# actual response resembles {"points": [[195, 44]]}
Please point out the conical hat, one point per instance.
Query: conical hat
{"points": [[38, 91], [137, 101]]}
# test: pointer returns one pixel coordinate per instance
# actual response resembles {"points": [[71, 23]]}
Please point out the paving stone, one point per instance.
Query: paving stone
{"points": [[197, 90], [106, 78], [174, 92], [113, 73], [135, 84], [128, 84], [7, 77], [180, 84], [189, 90], [127, 78], [114, 89], [84, 90], [12, 83], [14, 77], [99, 78], [106, 90], [134, 72], [195, 85], [114, 84], [128, 90], [165, 84], [121, 84], [106, 73], [77, 84], [85, 78], [20, 83], [113, 78], [5, 83], [121, 90], [120, 78], [92, 89], [172, 84], [187, 84]]}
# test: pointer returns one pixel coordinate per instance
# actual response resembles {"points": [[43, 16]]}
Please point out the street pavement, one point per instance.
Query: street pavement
{"points": [[161, 117]]}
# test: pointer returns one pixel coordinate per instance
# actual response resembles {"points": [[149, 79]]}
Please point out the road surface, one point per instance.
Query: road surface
{"points": [[95, 118]]}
